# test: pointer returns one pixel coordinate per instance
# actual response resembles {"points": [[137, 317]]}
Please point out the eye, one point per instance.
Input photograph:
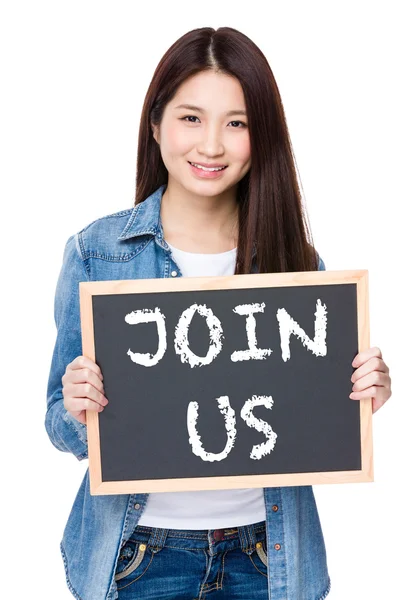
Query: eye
{"points": [[189, 117], [194, 117], [243, 124]]}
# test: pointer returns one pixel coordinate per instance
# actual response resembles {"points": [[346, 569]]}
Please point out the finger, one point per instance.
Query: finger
{"points": [[378, 403], [84, 375], [373, 378], [373, 364], [82, 362], [379, 395], [80, 404], [79, 415], [86, 390], [363, 356]]}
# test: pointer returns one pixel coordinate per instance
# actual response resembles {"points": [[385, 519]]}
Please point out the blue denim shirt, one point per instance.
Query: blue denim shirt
{"points": [[130, 245]]}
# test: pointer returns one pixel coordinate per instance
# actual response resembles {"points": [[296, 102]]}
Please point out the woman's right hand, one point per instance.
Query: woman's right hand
{"points": [[83, 388]]}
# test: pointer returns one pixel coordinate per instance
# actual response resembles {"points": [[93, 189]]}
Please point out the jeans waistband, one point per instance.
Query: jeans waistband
{"points": [[247, 535]]}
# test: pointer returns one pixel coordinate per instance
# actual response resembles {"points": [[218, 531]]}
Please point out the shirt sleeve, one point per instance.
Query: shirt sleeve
{"points": [[65, 432]]}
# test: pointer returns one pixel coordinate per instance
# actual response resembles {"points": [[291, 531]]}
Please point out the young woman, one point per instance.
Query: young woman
{"points": [[216, 194]]}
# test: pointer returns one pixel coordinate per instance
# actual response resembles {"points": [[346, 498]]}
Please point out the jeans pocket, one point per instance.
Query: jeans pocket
{"points": [[259, 557], [133, 559], [262, 553]]}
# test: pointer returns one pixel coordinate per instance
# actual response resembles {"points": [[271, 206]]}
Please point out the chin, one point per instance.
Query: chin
{"points": [[209, 188]]}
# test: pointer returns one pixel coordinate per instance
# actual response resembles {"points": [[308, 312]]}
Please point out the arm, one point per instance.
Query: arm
{"points": [[65, 432]]}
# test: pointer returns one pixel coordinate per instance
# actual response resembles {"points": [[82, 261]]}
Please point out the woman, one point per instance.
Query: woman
{"points": [[216, 194]]}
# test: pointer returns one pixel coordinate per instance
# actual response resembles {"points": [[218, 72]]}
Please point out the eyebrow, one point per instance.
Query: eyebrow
{"points": [[201, 110]]}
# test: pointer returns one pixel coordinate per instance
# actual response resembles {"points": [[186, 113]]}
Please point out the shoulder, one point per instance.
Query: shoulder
{"points": [[100, 237], [316, 259], [321, 265], [108, 224]]}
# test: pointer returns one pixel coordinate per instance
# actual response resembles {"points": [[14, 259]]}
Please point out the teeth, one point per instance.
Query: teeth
{"points": [[206, 168]]}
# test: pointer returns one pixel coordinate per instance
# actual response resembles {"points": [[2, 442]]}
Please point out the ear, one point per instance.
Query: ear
{"points": [[155, 130]]}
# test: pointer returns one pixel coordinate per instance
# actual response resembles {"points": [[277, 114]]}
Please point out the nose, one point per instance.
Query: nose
{"points": [[211, 143]]}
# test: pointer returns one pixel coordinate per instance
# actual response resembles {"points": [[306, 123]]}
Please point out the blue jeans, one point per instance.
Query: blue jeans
{"points": [[176, 564]]}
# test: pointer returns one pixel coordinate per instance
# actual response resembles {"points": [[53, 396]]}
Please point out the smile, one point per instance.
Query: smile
{"points": [[207, 168]]}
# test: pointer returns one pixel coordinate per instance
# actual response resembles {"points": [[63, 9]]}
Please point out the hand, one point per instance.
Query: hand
{"points": [[371, 378], [83, 388]]}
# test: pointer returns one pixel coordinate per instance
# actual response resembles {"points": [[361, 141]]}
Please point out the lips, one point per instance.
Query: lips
{"points": [[208, 166], [206, 173]]}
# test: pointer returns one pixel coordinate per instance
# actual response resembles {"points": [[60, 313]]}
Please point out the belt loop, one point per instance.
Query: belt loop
{"points": [[247, 538], [252, 536], [157, 539], [243, 537]]}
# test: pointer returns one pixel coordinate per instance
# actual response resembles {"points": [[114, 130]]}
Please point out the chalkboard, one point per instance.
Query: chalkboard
{"points": [[227, 382]]}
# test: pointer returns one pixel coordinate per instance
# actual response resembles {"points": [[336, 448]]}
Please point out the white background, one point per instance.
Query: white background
{"points": [[73, 76]]}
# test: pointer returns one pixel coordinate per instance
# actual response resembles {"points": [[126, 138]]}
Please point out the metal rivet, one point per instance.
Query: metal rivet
{"points": [[258, 545], [277, 547], [173, 273], [137, 506], [142, 547], [275, 508]]}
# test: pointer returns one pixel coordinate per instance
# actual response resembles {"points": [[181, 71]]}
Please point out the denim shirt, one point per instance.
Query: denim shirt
{"points": [[130, 245]]}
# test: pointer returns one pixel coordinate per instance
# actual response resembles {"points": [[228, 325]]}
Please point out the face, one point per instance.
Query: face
{"points": [[206, 135]]}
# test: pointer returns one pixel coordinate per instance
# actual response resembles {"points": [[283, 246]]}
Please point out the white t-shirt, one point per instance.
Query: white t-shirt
{"points": [[207, 509]]}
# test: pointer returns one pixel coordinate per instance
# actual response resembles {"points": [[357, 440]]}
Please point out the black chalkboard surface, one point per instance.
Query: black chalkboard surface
{"points": [[220, 382]]}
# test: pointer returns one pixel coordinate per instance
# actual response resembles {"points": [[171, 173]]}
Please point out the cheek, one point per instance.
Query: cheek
{"points": [[242, 149], [174, 141]]}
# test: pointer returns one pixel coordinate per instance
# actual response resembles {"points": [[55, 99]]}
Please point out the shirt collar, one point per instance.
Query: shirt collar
{"points": [[145, 217]]}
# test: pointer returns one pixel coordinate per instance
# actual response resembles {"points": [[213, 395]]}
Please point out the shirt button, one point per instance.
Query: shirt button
{"points": [[173, 273], [275, 508], [137, 506], [277, 547]]}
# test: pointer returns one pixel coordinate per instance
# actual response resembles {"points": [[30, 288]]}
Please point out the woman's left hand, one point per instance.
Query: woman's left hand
{"points": [[371, 378]]}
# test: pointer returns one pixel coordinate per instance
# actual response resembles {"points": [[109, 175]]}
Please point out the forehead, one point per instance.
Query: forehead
{"points": [[209, 89]]}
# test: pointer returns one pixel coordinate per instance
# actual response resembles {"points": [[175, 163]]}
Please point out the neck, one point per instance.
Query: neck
{"points": [[199, 223]]}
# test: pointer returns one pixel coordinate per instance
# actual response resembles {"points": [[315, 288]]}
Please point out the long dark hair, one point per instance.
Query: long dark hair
{"points": [[272, 218]]}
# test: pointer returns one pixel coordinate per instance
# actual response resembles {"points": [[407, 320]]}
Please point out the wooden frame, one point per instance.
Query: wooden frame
{"points": [[89, 289]]}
